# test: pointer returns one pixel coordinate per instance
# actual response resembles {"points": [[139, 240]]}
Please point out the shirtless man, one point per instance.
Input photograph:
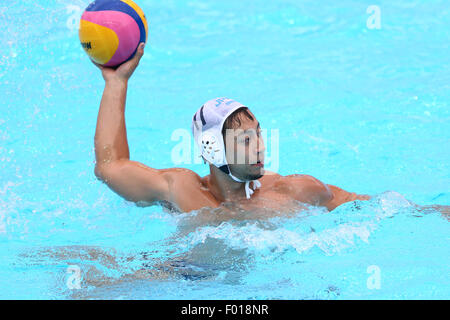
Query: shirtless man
{"points": [[245, 184]]}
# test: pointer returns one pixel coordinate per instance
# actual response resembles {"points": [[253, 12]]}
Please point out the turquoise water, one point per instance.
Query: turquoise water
{"points": [[364, 109]]}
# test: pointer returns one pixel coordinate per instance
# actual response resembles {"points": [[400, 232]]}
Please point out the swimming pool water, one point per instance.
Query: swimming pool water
{"points": [[364, 109]]}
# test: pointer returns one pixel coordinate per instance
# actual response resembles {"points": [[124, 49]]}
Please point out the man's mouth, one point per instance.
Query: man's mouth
{"points": [[258, 164]]}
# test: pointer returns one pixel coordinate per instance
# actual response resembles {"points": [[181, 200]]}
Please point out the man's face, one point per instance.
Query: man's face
{"points": [[245, 150]]}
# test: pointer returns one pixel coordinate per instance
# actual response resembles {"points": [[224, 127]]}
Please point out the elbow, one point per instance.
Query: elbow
{"points": [[329, 202], [105, 172], [100, 173], [327, 194], [324, 197]]}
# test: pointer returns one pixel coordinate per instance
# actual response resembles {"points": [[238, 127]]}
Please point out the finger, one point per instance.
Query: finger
{"points": [[139, 52], [141, 48], [133, 62]]}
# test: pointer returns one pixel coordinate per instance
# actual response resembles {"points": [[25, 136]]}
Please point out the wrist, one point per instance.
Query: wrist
{"points": [[116, 81]]}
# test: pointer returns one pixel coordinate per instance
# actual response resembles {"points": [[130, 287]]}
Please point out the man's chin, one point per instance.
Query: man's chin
{"points": [[258, 174], [251, 173]]}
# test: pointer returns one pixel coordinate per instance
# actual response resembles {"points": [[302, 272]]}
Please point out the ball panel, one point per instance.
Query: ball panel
{"points": [[125, 28], [119, 6], [140, 13], [99, 5], [99, 42]]}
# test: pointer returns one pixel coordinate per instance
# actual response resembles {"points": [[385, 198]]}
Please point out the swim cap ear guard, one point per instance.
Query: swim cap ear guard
{"points": [[211, 149], [207, 125]]}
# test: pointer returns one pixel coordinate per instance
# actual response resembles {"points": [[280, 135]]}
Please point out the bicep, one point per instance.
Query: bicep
{"points": [[134, 181]]}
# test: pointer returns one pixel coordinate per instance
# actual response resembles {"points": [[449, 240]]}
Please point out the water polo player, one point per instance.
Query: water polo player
{"points": [[244, 184]]}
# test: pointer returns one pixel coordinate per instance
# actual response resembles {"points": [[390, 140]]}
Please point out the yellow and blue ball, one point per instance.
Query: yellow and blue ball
{"points": [[111, 30]]}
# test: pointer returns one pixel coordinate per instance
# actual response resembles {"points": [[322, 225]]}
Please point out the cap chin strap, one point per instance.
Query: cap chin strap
{"points": [[248, 190]]}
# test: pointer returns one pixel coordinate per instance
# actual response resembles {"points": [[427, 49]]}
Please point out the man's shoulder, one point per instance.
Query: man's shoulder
{"points": [[180, 173], [298, 178], [305, 178], [306, 187], [293, 179]]}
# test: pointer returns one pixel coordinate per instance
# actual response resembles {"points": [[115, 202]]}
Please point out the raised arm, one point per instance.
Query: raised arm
{"points": [[132, 180]]}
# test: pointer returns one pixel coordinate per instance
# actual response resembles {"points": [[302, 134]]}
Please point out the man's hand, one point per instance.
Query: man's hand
{"points": [[125, 70]]}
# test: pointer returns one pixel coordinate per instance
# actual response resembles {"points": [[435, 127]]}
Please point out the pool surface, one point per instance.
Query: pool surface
{"points": [[361, 108]]}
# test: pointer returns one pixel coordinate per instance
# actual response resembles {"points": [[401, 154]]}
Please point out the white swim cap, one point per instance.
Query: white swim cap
{"points": [[207, 125]]}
